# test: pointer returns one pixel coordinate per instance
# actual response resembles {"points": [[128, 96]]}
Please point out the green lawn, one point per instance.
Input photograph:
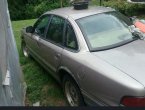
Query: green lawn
{"points": [[40, 85]]}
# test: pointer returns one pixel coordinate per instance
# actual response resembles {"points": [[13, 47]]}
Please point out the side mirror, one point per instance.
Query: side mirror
{"points": [[29, 29], [136, 31], [133, 18]]}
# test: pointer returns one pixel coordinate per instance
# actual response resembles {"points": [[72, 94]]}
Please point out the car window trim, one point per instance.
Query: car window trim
{"points": [[67, 48], [51, 16], [50, 41]]}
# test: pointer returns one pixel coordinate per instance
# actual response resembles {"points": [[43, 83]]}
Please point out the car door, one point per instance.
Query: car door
{"points": [[39, 33], [51, 47]]}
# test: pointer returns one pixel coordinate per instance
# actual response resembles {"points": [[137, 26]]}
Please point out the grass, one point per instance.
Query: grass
{"points": [[41, 87]]}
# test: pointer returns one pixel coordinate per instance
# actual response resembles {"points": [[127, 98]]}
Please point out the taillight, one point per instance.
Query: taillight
{"points": [[133, 101]]}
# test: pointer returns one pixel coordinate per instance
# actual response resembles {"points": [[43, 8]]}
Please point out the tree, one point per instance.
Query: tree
{"points": [[61, 3]]}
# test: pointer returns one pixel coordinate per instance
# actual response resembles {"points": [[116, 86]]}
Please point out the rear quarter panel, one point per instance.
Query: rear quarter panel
{"points": [[100, 81]]}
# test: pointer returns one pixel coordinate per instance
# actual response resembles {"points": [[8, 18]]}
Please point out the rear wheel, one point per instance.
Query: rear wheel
{"points": [[25, 50], [72, 92]]}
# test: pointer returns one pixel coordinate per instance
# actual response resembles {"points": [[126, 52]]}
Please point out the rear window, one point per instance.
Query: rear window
{"points": [[105, 30]]}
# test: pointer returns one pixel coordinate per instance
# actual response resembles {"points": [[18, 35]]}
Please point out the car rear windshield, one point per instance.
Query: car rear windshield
{"points": [[105, 30]]}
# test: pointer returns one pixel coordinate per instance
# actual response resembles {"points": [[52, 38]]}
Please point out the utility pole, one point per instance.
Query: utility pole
{"points": [[100, 2], [61, 3]]}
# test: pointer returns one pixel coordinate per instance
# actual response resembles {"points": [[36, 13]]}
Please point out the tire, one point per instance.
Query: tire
{"points": [[72, 92], [25, 50]]}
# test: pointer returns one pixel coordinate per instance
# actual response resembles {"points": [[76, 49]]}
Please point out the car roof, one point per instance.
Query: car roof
{"points": [[76, 14]]}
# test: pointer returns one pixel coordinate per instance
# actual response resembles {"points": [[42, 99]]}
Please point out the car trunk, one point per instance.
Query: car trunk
{"points": [[129, 58]]}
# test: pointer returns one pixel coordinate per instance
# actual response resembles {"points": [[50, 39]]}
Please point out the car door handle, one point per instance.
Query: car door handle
{"points": [[57, 56], [37, 38]]}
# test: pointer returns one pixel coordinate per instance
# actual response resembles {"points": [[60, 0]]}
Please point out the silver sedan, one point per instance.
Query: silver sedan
{"points": [[96, 54]]}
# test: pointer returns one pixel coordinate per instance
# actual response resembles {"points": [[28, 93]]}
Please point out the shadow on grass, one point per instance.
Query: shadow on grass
{"points": [[41, 86]]}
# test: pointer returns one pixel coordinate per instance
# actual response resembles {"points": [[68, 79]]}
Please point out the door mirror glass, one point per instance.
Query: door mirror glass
{"points": [[29, 29]]}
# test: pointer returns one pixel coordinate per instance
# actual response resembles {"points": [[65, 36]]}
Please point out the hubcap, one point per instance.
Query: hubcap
{"points": [[71, 94]]}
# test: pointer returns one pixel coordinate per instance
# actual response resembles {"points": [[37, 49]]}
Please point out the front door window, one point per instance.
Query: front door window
{"points": [[41, 26]]}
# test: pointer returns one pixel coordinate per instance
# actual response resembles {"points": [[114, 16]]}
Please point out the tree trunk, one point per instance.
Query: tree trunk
{"points": [[61, 3]]}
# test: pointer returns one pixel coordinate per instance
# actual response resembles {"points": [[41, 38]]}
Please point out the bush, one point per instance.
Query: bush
{"points": [[27, 9], [29, 12], [126, 8], [16, 9], [43, 7]]}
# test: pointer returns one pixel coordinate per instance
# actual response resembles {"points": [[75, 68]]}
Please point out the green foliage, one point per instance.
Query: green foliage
{"points": [[129, 9], [26, 9], [16, 10], [45, 6]]}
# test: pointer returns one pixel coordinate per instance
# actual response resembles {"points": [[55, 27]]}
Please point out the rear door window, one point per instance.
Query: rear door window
{"points": [[55, 30], [70, 37]]}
